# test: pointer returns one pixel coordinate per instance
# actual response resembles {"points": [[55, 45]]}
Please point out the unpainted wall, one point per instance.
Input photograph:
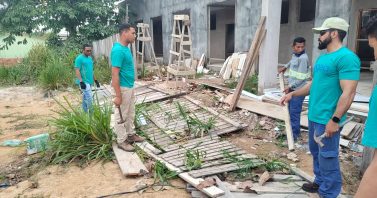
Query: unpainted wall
{"points": [[246, 20], [223, 17]]}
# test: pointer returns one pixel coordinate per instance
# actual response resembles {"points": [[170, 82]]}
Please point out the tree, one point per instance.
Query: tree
{"points": [[92, 19]]}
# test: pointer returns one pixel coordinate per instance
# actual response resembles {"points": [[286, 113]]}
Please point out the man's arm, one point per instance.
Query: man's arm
{"points": [[344, 103], [303, 91], [78, 74], [116, 85]]}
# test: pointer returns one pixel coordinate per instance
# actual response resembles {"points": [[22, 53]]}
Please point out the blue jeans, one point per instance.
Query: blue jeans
{"points": [[295, 108], [325, 161], [87, 98]]}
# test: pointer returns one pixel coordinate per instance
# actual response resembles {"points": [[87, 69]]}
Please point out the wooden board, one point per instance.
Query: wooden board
{"points": [[129, 162], [287, 118]]}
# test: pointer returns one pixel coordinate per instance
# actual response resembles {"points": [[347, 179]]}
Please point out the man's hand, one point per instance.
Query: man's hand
{"points": [[331, 128], [82, 85], [285, 99], [286, 90], [282, 69], [97, 83], [117, 101]]}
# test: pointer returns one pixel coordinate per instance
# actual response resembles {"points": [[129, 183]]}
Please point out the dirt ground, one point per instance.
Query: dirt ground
{"points": [[25, 111]]}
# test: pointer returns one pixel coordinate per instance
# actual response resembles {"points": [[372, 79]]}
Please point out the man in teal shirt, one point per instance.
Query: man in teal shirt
{"points": [[368, 185], [85, 76], [123, 78], [335, 76]]}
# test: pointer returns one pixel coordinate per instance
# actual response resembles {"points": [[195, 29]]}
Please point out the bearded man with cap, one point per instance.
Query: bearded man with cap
{"points": [[332, 90]]}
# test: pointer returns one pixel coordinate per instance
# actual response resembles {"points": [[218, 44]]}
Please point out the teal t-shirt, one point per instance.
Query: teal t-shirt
{"points": [[325, 90], [370, 131], [85, 65], [121, 57]]}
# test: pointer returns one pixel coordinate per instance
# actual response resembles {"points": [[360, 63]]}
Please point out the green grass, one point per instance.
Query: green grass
{"points": [[162, 174], [251, 84], [194, 159], [55, 75], [20, 51], [81, 136]]}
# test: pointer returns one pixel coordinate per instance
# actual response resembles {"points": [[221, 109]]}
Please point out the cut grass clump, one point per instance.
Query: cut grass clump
{"points": [[81, 136], [251, 84], [162, 174], [194, 159]]}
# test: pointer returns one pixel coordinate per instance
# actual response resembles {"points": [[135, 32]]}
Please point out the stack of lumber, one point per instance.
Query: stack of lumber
{"points": [[352, 131], [233, 66]]}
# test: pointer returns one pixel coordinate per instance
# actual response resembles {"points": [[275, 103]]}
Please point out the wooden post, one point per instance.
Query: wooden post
{"points": [[287, 118], [250, 59]]}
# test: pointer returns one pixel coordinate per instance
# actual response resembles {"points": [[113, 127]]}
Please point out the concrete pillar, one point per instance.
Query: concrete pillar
{"points": [[326, 9], [269, 52]]}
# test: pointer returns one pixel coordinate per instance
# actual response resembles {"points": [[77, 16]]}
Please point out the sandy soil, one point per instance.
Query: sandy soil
{"points": [[24, 112]]}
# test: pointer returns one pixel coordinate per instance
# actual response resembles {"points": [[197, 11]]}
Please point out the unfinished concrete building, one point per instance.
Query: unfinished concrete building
{"points": [[221, 27]]}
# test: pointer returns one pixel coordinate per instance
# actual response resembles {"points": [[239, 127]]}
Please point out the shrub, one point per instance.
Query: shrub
{"points": [[56, 75], [38, 57], [102, 70], [16, 75], [81, 136]]}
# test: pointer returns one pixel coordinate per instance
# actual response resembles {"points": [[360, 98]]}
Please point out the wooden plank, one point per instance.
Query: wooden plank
{"points": [[302, 174], [147, 145], [213, 171], [347, 129], [236, 124], [183, 148], [129, 162], [191, 142], [284, 178], [210, 151], [212, 191], [279, 188], [287, 119], [250, 59], [223, 187]]}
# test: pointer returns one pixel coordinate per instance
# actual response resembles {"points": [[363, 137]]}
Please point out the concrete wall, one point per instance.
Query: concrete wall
{"points": [[293, 29], [326, 9], [217, 38], [247, 16], [354, 19]]}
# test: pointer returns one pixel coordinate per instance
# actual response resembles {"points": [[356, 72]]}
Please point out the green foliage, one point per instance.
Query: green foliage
{"points": [[102, 70], [194, 159], [196, 126], [251, 84], [81, 136], [56, 75], [15, 75], [94, 20], [38, 57], [275, 165], [245, 164], [163, 174]]}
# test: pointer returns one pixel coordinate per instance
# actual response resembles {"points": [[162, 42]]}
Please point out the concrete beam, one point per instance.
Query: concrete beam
{"points": [[269, 53]]}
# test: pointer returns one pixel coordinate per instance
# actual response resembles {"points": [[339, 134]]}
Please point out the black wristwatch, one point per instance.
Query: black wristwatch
{"points": [[335, 119]]}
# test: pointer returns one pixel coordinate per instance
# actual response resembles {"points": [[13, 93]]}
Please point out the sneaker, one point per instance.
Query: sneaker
{"points": [[310, 187], [134, 138], [126, 147]]}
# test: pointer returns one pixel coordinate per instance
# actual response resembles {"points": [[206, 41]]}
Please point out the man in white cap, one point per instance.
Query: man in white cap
{"points": [[335, 76]]}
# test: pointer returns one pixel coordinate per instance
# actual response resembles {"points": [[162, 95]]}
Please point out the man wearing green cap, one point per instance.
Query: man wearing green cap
{"points": [[335, 76]]}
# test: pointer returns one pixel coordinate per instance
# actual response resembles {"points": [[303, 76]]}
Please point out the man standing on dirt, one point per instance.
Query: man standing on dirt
{"points": [[85, 75], [335, 76], [368, 185], [299, 73], [123, 78]]}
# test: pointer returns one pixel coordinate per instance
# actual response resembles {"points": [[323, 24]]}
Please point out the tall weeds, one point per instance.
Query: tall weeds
{"points": [[81, 136]]}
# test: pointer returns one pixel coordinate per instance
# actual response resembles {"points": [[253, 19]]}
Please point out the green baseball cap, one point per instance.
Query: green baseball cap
{"points": [[332, 23]]}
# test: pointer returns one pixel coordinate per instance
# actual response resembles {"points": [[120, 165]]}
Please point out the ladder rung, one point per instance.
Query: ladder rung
{"points": [[186, 43], [142, 25], [175, 53], [186, 36], [182, 17], [144, 39], [139, 53], [186, 51], [176, 36]]}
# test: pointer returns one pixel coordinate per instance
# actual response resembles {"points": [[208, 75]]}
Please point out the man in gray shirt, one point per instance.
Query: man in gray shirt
{"points": [[298, 74]]}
